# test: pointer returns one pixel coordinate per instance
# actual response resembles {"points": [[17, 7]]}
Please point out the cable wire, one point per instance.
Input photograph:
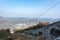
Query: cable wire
{"points": [[50, 8]]}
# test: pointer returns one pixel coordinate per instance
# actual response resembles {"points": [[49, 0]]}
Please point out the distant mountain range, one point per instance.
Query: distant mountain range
{"points": [[30, 19], [2, 19], [25, 19]]}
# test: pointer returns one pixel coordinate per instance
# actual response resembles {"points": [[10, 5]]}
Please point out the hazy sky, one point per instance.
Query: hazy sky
{"points": [[29, 8]]}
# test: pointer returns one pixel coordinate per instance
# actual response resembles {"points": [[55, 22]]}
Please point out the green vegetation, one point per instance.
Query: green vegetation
{"points": [[5, 35], [8, 38]]}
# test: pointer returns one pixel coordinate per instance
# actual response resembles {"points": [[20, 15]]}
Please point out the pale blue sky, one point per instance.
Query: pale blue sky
{"points": [[29, 8]]}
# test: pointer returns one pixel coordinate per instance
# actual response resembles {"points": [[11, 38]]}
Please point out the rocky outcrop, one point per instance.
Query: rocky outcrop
{"points": [[45, 30]]}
